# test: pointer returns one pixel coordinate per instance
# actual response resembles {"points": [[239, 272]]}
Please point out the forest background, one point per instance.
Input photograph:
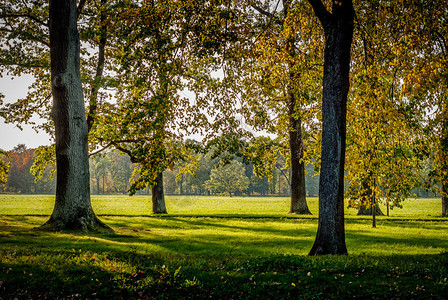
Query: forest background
{"points": [[110, 174]]}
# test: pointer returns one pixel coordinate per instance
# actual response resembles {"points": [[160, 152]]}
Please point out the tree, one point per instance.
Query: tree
{"points": [[381, 165], [194, 183], [4, 166], [19, 178], [426, 82], [99, 167], [338, 30], [160, 48], [229, 178], [121, 171], [282, 86], [72, 210]]}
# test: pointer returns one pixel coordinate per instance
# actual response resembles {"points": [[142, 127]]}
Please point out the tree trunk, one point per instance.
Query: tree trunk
{"points": [[181, 188], [444, 166], [298, 191], [444, 200], [387, 207], [364, 211], [72, 210], [373, 205], [338, 28], [158, 197], [279, 183], [368, 197]]}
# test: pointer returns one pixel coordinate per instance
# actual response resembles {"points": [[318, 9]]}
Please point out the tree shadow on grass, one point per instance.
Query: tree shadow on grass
{"points": [[207, 237], [207, 249]]}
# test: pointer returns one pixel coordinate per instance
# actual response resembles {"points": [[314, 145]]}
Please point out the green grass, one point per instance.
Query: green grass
{"points": [[213, 206], [219, 247]]}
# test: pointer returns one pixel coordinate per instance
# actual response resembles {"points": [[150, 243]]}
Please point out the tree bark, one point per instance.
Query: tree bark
{"points": [[298, 190], [338, 29], [72, 210], [444, 200], [158, 197], [444, 167]]}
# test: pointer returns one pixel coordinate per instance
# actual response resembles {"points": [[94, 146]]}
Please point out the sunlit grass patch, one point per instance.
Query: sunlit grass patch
{"points": [[213, 206]]}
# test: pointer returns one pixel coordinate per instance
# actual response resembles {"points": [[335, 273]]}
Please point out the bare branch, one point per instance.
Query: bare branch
{"points": [[29, 16], [81, 6], [262, 11], [267, 26], [100, 150]]}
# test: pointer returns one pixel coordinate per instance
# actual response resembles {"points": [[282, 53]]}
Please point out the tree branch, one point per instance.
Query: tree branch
{"points": [[100, 150], [321, 11], [81, 6], [24, 16], [129, 153], [267, 26], [262, 11]]}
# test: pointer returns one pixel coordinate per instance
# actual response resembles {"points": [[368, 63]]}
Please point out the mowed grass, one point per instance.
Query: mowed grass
{"points": [[219, 247], [213, 206]]}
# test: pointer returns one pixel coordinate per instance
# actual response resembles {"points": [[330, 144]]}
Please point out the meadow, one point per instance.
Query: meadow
{"points": [[220, 247]]}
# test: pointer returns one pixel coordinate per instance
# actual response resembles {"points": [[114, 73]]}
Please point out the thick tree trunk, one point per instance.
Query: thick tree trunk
{"points": [[72, 210], [338, 28], [298, 191], [158, 197]]}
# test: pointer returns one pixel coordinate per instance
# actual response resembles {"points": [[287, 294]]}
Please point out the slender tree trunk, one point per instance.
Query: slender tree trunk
{"points": [[263, 192], [181, 188], [72, 210], [338, 28], [98, 185], [298, 191], [373, 205], [387, 207], [289, 185], [444, 163], [158, 197], [444, 200], [279, 183]]}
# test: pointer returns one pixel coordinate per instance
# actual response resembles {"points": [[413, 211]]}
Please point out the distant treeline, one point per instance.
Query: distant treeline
{"points": [[111, 173]]}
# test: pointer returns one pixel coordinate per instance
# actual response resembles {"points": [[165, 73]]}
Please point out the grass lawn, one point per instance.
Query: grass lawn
{"points": [[220, 247]]}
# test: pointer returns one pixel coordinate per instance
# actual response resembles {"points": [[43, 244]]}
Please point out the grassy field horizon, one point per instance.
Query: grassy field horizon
{"points": [[194, 205]]}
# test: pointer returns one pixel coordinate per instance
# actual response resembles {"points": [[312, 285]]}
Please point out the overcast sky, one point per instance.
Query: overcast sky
{"points": [[10, 135]]}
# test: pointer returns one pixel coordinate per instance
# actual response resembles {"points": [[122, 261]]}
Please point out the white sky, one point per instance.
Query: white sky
{"points": [[10, 135]]}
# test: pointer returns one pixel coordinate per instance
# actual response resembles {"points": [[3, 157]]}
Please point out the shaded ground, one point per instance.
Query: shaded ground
{"points": [[239, 258]]}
